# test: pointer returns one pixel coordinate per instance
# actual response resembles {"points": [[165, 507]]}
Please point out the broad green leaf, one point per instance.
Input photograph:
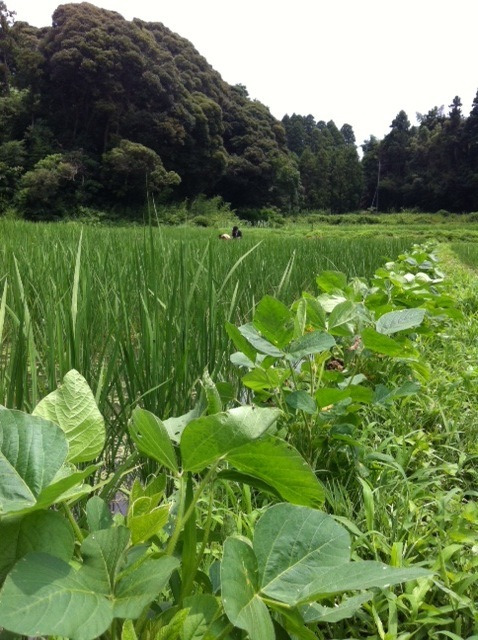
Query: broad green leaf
{"points": [[264, 379], [73, 408], [328, 301], [301, 401], [315, 312], [245, 478], [326, 396], [32, 450], [293, 622], [310, 344], [213, 399], [98, 514], [240, 342], [291, 543], [280, 466], [136, 589], [67, 485], [380, 343], [168, 625], [144, 526], [383, 395], [103, 555], [360, 394], [329, 281], [204, 618], [207, 439], [45, 531], [128, 631], [399, 320], [44, 596], [249, 332], [238, 359], [356, 575], [176, 426], [151, 437], [240, 590], [303, 554], [274, 321], [313, 613], [340, 322]]}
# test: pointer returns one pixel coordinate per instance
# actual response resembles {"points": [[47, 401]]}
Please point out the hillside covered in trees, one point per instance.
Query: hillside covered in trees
{"points": [[98, 111]]}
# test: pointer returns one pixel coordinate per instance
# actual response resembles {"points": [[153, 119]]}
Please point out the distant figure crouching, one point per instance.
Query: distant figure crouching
{"points": [[236, 233], [224, 236]]}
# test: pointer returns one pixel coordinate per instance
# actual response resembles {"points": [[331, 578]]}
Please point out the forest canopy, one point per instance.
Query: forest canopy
{"points": [[99, 111]]}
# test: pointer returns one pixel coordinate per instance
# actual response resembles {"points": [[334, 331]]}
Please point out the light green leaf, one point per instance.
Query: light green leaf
{"points": [[293, 622], [280, 466], [325, 396], [73, 408], [380, 343], [207, 439], [151, 437], [136, 589], [144, 526], [383, 395], [315, 312], [310, 344], [328, 301], [98, 514], [274, 321], [341, 319], [240, 591], [176, 426], [250, 333], [213, 399], [301, 401], [240, 342], [264, 379], [32, 450], [252, 481], [67, 485], [356, 575], [204, 620], [128, 631], [238, 359], [313, 613], [329, 281], [103, 555], [45, 531], [399, 320], [44, 596], [303, 554]]}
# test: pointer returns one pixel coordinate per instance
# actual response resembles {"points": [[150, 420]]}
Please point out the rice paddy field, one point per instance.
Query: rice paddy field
{"points": [[141, 314]]}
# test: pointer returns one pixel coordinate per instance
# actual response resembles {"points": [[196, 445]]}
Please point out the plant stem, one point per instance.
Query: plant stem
{"points": [[179, 518], [74, 525], [199, 491]]}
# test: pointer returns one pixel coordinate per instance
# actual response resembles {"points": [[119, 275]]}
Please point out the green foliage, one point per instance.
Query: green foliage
{"points": [[309, 359], [146, 568], [394, 444], [132, 170]]}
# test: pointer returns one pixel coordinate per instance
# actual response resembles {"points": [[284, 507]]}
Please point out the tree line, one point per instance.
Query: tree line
{"points": [[98, 111]]}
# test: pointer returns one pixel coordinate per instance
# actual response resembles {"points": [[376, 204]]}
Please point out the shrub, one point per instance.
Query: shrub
{"points": [[202, 221]]}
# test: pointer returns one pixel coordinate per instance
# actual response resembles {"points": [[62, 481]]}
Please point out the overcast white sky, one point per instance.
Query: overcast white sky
{"points": [[354, 61]]}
